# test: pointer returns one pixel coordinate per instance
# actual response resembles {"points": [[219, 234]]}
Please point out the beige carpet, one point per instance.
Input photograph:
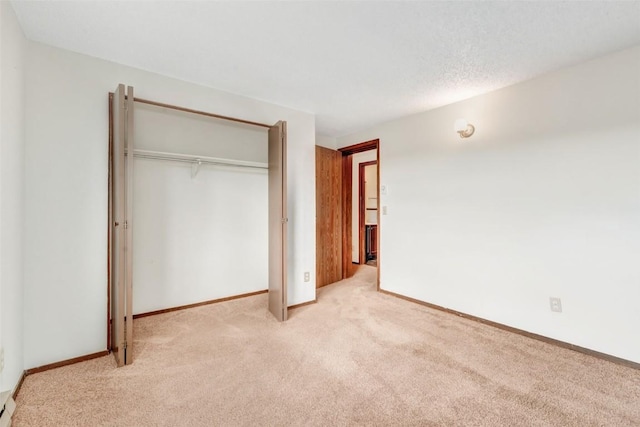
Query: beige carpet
{"points": [[357, 357]]}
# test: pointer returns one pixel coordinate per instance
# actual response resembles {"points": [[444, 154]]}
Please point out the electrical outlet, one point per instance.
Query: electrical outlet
{"points": [[307, 276], [384, 190], [555, 304], [1, 359], [384, 210]]}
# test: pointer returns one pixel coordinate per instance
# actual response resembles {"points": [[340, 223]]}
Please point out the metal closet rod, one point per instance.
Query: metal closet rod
{"points": [[189, 158], [202, 113]]}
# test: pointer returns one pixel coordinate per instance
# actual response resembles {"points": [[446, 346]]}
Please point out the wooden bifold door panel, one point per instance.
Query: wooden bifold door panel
{"points": [[121, 265], [278, 221]]}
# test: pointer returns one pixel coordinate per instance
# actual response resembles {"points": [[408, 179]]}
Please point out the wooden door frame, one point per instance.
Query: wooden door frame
{"points": [[362, 209], [347, 195]]}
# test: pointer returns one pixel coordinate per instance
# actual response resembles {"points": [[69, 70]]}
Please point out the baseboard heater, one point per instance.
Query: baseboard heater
{"points": [[7, 406]]}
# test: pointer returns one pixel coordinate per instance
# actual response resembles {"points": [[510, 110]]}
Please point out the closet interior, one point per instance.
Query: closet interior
{"points": [[200, 209], [197, 212]]}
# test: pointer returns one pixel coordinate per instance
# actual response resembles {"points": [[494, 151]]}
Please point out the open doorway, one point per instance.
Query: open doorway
{"points": [[368, 213], [343, 218]]}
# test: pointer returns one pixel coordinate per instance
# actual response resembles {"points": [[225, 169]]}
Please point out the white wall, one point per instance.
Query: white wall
{"points": [[201, 238], [11, 195], [326, 141], [167, 130], [365, 156], [66, 192], [544, 200], [198, 239]]}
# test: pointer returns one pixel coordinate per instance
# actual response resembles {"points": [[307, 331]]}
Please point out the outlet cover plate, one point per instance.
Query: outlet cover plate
{"points": [[555, 304]]}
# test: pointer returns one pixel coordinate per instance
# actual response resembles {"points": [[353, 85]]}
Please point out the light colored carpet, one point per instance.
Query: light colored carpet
{"points": [[357, 357]]}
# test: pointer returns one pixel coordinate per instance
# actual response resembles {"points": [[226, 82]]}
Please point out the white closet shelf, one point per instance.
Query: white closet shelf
{"points": [[196, 160]]}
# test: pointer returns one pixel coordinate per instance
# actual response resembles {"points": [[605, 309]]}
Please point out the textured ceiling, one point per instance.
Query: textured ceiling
{"points": [[353, 64]]}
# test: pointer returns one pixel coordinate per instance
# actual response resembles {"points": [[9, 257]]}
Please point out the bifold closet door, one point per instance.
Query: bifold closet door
{"points": [[278, 220], [121, 227]]}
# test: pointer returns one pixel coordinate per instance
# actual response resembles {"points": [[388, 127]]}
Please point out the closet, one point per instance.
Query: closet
{"points": [[197, 211]]}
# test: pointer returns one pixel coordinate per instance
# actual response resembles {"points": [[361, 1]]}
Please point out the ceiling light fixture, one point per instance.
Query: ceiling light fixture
{"points": [[464, 129]]}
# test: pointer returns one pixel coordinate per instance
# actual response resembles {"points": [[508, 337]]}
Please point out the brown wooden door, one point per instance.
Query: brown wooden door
{"points": [[328, 216], [278, 220], [121, 204]]}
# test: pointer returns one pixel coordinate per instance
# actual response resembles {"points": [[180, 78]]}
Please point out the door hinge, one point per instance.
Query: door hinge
{"points": [[126, 225], [285, 220]]}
